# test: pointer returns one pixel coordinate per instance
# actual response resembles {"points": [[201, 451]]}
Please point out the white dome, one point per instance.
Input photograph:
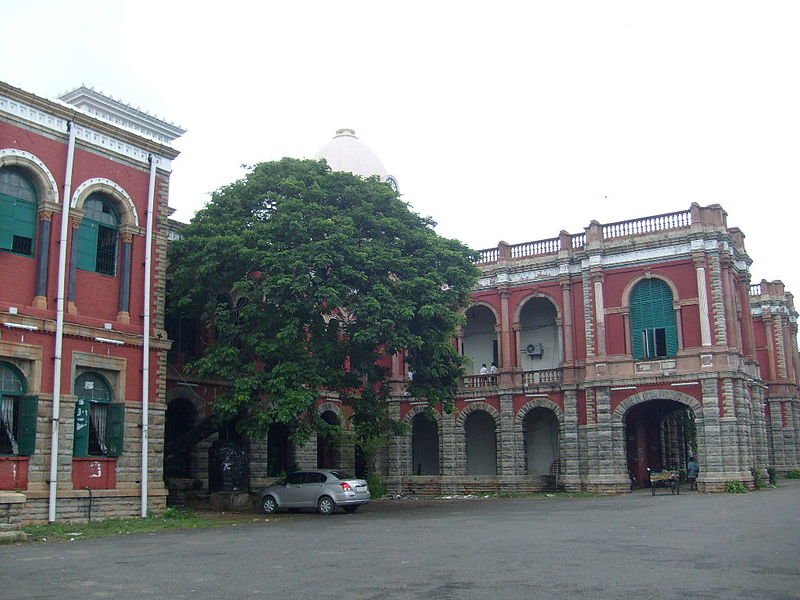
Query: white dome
{"points": [[345, 152]]}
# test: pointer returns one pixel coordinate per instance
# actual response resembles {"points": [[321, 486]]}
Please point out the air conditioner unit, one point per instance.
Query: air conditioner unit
{"points": [[534, 350]]}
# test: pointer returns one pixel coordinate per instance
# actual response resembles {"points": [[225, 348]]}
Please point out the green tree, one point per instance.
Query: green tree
{"points": [[312, 279]]}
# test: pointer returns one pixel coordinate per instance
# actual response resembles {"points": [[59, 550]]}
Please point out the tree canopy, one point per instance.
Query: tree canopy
{"points": [[312, 279]]}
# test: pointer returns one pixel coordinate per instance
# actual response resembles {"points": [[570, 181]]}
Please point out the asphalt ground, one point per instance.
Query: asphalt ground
{"points": [[632, 546]]}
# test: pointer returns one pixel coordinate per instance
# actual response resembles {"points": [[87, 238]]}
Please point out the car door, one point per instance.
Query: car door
{"points": [[292, 493], [313, 488]]}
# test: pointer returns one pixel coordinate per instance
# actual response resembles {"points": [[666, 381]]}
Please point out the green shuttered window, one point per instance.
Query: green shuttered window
{"points": [[18, 413], [654, 333], [18, 207], [99, 423], [97, 236]]}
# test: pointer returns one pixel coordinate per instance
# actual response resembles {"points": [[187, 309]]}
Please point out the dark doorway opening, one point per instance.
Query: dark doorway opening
{"points": [[179, 421], [326, 443], [659, 435]]}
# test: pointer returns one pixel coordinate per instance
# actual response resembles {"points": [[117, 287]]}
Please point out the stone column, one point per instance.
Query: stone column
{"points": [[712, 476], [506, 446], [450, 457], [772, 362], [394, 479], [702, 297], [42, 259], [73, 265], [599, 311], [748, 335], [123, 312], [506, 364], [732, 331], [569, 336], [569, 451]]}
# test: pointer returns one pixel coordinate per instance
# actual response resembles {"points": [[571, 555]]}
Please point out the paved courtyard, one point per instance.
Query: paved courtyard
{"points": [[633, 546]]}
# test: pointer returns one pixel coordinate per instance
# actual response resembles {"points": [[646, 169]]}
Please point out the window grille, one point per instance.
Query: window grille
{"points": [[106, 250]]}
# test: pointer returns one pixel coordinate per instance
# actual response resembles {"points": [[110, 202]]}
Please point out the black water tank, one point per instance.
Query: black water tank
{"points": [[227, 467]]}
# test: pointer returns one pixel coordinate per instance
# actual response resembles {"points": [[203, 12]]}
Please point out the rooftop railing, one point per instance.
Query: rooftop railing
{"points": [[755, 290], [676, 220], [645, 225]]}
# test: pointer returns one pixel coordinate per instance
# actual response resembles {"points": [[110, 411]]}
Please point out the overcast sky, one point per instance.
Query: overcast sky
{"points": [[502, 121]]}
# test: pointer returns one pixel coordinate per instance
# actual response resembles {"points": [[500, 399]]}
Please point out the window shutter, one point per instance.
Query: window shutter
{"points": [[637, 324], [115, 429], [87, 245], [651, 308], [28, 412], [25, 219], [7, 210], [81, 439]]}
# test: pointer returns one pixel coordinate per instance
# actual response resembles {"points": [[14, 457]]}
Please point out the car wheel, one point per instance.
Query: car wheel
{"points": [[269, 505], [350, 509], [325, 505]]}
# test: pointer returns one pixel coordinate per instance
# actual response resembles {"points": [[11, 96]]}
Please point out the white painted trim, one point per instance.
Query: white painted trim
{"points": [[101, 182]]}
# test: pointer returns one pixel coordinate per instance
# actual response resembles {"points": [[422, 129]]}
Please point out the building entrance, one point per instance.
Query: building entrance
{"points": [[660, 435]]}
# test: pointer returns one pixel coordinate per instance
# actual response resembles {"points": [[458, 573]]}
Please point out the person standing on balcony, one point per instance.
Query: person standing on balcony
{"points": [[493, 369], [484, 370]]}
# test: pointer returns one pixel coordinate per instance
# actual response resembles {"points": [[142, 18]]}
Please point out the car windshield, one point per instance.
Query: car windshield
{"points": [[342, 475]]}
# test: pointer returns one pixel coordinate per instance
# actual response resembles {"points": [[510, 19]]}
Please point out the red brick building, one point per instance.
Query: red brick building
{"points": [[83, 233], [592, 359], [627, 347]]}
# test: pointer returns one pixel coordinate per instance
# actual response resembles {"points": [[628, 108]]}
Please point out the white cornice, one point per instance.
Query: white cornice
{"points": [[88, 135]]}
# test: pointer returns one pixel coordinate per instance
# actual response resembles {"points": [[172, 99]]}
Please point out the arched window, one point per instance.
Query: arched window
{"points": [[97, 236], [17, 212], [17, 413], [653, 330], [99, 423]]}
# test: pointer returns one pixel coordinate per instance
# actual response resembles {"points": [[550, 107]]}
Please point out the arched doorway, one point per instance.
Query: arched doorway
{"points": [[539, 336], [327, 455], [479, 341], [481, 441], [424, 445], [278, 450], [659, 435], [180, 419], [540, 435]]}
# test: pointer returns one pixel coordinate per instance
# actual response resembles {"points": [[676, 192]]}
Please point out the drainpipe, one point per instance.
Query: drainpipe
{"points": [[151, 192], [62, 276]]}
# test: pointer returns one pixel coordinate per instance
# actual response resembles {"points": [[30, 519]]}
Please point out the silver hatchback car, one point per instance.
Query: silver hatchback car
{"points": [[323, 489]]}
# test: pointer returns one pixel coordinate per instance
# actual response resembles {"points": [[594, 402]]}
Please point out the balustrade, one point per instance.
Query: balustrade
{"points": [[542, 377], [677, 220]]}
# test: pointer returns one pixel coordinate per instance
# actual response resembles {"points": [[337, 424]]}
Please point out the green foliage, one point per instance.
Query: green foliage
{"points": [[309, 280], [173, 518], [735, 487], [773, 475], [377, 488], [758, 479], [793, 475]]}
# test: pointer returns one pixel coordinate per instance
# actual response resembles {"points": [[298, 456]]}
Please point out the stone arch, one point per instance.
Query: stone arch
{"points": [[461, 432], [408, 448], [634, 399], [532, 296], [41, 177], [121, 198], [628, 289], [472, 407], [618, 424], [420, 408], [334, 408], [182, 392], [520, 456], [486, 305], [330, 447], [539, 403]]}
